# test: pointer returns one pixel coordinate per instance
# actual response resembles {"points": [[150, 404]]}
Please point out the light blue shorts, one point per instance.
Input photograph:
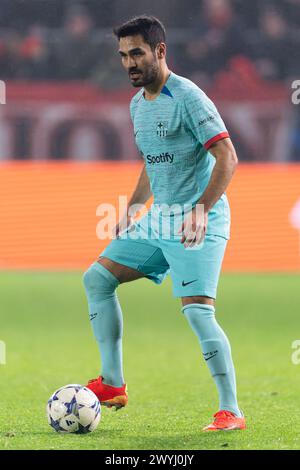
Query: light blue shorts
{"points": [[151, 250]]}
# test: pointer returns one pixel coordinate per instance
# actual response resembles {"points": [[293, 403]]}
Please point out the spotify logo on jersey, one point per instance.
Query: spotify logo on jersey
{"points": [[162, 158]]}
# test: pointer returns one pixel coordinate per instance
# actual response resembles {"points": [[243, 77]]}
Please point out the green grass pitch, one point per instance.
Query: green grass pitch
{"points": [[45, 326]]}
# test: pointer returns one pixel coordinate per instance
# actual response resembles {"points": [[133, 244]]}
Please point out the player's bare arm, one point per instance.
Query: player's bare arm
{"points": [[141, 194], [193, 227]]}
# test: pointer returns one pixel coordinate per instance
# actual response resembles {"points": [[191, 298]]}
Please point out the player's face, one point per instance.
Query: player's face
{"points": [[139, 60]]}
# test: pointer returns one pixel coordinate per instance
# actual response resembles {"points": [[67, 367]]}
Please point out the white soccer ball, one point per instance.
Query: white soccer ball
{"points": [[75, 409]]}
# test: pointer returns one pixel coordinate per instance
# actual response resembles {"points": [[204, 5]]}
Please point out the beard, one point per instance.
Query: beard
{"points": [[147, 77]]}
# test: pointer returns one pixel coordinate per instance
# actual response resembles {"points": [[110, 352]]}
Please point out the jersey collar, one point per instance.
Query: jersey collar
{"points": [[165, 90]]}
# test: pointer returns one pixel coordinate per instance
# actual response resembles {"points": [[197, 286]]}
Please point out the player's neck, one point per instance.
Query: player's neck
{"points": [[153, 90]]}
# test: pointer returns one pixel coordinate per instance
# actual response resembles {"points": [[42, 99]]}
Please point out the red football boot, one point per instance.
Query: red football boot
{"points": [[226, 421], [109, 395]]}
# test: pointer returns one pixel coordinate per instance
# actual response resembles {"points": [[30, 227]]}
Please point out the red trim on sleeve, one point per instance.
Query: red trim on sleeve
{"points": [[214, 139]]}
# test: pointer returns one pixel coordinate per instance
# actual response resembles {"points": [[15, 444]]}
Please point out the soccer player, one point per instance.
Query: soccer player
{"points": [[189, 161]]}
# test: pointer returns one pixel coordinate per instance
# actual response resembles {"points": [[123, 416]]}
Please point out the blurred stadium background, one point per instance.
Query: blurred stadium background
{"points": [[66, 136]]}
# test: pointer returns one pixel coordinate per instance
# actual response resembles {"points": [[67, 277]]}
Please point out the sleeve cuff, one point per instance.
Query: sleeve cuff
{"points": [[222, 135]]}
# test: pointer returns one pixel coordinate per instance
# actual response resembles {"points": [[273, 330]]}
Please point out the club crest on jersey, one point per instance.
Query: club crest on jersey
{"points": [[162, 128]]}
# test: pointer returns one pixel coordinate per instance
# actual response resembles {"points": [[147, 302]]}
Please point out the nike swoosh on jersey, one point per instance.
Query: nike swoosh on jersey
{"points": [[187, 283]]}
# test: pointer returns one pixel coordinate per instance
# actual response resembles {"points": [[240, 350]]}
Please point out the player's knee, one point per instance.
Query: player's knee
{"points": [[99, 283], [90, 279], [197, 312]]}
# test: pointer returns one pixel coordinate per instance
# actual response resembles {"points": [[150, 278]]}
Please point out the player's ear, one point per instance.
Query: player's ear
{"points": [[161, 50]]}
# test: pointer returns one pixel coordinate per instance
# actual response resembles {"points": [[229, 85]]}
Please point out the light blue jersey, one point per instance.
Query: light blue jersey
{"points": [[174, 133]]}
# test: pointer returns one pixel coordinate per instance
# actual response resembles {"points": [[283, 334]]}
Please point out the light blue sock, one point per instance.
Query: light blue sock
{"points": [[216, 352], [107, 321]]}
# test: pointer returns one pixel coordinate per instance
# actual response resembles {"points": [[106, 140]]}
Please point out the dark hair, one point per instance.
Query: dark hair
{"points": [[152, 30]]}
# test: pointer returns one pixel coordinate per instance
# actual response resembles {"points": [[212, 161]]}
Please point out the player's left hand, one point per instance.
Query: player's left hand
{"points": [[194, 228]]}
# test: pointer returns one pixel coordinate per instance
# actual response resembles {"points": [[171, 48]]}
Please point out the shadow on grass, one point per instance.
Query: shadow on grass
{"points": [[116, 440]]}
